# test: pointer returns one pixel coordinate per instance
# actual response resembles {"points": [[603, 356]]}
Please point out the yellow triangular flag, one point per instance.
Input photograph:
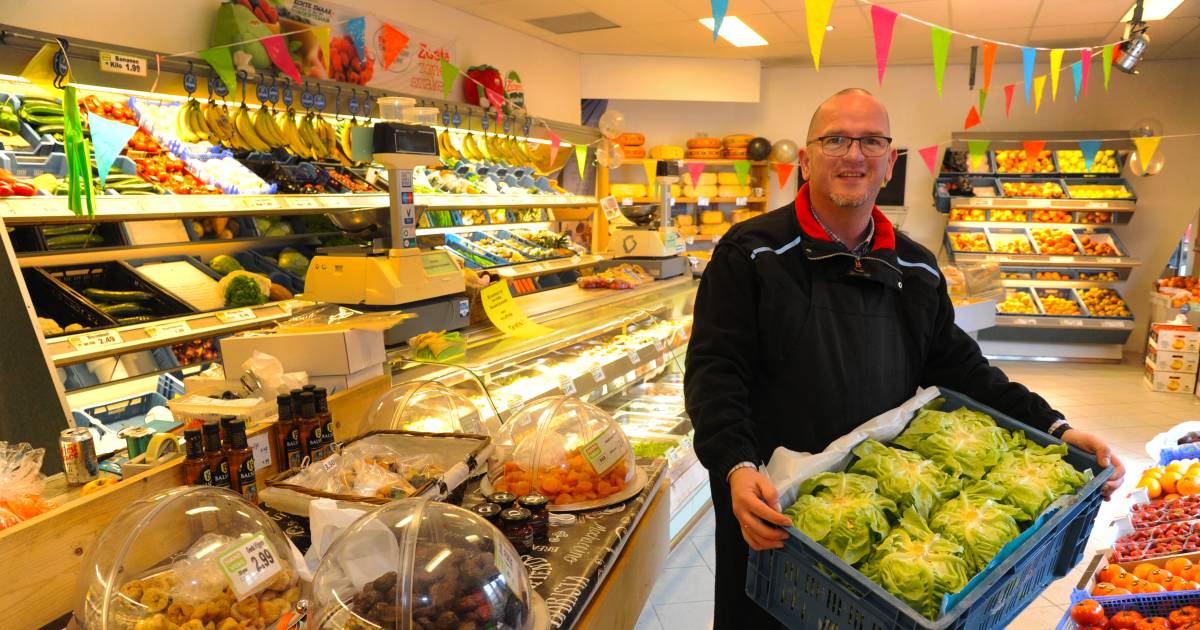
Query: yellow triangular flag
{"points": [[40, 70], [817, 12], [1039, 86], [323, 35], [651, 167], [1146, 148], [1055, 65]]}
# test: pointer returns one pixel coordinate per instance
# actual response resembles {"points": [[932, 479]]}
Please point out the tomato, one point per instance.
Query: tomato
{"points": [[1142, 570], [1088, 612], [1183, 616], [1158, 576], [23, 189], [1125, 620], [1154, 623], [1148, 587], [1124, 580], [1103, 589]]}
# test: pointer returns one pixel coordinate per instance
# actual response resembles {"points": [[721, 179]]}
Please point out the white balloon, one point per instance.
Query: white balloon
{"points": [[1154, 167], [612, 124], [616, 155], [784, 151], [1146, 128], [603, 155]]}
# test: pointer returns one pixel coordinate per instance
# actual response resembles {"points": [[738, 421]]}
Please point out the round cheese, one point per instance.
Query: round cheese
{"points": [[704, 154], [667, 152], [729, 191], [630, 139], [708, 179], [728, 179], [622, 191], [683, 219], [716, 229], [634, 153], [737, 141], [711, 217], [704, 143], [736, 154]]}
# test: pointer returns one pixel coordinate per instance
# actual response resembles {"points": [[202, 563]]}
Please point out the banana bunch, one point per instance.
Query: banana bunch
{"points": [[190, 124], [446, 148], [218, 122]]}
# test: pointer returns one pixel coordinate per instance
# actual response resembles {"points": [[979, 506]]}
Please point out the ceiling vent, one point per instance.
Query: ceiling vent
{"points": [[573, 23]]}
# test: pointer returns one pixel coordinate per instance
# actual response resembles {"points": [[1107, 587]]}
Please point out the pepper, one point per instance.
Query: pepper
{"points": [[9, 122], [483, 77]]}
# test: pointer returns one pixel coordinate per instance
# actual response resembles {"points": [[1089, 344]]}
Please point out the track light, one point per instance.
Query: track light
{"points": [[1136, 42]]}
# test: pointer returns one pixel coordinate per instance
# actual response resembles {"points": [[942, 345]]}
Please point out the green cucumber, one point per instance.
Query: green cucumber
{"points": [[51, 129], [37, 121], [104, 295], [137, 319], [124, 309], [59, 230], [36, 108], [40, 100], [73, 241]]}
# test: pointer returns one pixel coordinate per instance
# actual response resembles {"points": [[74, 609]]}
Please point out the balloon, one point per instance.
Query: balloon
{"points": [[758, 149], [604, 155], [1146, 128], [784, 151], [1154, 167], [616, 155], [612, 124]]}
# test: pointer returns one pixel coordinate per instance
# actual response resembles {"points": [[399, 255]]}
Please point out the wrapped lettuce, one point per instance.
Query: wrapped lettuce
{"points": [[963, 442], [1034, 476], [844, 512], [918, 566], [904, 476], [977, 520]]}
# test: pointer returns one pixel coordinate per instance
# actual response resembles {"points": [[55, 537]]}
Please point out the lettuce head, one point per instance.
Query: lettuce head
{"points": [[918, 566], [844, 512], [904, 476], [979, 522], [1034, 476], [963, 442]]}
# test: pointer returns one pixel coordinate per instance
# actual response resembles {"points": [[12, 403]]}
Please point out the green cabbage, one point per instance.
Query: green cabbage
{"points": [[963, 442], [977, 521], [1034, 476], [918, 566], [904, 476], [843, 512]]}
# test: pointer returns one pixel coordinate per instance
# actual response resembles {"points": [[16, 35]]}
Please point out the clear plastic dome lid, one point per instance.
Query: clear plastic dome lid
{"points": [[571, 451], [430, 407], [190, 555], [416, 564]]}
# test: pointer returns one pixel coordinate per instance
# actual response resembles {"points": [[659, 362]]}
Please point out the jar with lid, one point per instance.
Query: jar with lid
{"points": [[517, 525]]}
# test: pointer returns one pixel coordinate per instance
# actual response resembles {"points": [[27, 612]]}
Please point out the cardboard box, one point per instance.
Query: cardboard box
{"points": [[1171, 361], [1170, 382], [331, 353], [334, 384], [1175, 337]]}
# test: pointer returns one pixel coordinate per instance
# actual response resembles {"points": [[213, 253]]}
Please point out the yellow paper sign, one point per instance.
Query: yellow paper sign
{"points": [[505, 315]]}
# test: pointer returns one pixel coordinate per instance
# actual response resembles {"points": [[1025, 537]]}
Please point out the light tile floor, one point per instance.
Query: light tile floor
{"points": [[1109, 400]]}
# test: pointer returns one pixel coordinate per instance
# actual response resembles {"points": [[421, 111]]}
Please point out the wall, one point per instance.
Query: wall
{"points": [[550, 74], [670, 78], [1166, 91]]}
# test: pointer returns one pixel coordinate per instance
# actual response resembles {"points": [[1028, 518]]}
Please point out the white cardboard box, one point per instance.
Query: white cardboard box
{"points": [[1175, 337], [334, 384], [1171, 361], [332, 353], [1170, 382]]}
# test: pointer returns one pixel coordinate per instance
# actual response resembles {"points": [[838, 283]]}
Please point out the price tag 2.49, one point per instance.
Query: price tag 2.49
{"points": [[96, 340], [249, 564]]}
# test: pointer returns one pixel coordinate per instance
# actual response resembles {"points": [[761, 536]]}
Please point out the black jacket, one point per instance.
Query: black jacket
{"points": [[796, 341]]}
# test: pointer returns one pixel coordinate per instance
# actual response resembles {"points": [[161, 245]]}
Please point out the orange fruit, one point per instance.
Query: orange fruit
{"points": [[1167, 498], [1153, 472], [1190, 585], [1188, 485], [1153, 488], [1194, 469], [1178, 566], [1158, 576], [1149, 587], [1142, 570], [1168, 480], [1178, 466], [1192, 573]]}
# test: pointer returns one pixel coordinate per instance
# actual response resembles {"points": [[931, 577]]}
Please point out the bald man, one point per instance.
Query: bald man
{"points": [[814, 318]]}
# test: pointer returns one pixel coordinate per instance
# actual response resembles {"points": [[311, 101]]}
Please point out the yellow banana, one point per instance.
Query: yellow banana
{"points": [[181, 125], [291, 133], [196, 121], [344, 140], [245, 130], [218, 120]]}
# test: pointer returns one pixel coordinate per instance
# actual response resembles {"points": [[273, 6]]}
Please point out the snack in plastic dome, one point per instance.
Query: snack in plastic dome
{"points": [[417, 563], [564, 448], [190, 555], [429, 407]]}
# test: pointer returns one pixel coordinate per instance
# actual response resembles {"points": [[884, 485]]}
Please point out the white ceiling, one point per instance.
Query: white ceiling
{"points": [[669, 27]]}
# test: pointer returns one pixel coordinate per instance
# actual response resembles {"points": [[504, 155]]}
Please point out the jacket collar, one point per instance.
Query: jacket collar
{"points": [[885, 233]]}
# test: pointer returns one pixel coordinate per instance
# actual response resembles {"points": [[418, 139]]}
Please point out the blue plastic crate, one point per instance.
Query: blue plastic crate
{"points": [[263, 261], [130, 412], [1149, 604], [805, 585], [38, 145], [1179, 451], [26, 165]]}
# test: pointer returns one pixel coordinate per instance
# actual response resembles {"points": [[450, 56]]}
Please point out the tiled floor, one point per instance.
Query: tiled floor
{"points": [[1108, 400]]}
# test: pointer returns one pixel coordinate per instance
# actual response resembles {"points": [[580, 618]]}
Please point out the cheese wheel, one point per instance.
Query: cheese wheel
{"points": [[667, 152], [707, 179], [703, 154], [676, 189], [729, 191], [710, 217], [736, 154], [704, 143], [630, 139], [634, 153], [737, 141], [728, 179], [687, 230], [684, 219], [716, 229], [740, 215], [621, 191]]}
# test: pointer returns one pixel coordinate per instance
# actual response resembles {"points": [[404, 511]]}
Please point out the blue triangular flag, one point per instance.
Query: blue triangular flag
{"points": [[109, 138], [1028, 58], [719, 7], [1077, 75], [357, 28], [1089, 148]]}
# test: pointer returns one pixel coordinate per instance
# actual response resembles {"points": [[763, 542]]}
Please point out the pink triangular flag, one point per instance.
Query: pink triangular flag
{"points": [[555, 142], [277, 50], [1008, 94], [972, 118], [783, 170], [1033, 148], [497, 102], [929, 154], [883, 21], [1085, 56], [694, 170]]}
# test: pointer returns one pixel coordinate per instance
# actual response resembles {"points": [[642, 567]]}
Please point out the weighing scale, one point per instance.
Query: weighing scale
{"points": [[651, 242], [393, 272]]}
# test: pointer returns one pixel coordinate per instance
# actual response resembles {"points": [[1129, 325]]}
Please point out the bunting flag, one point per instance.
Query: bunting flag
{"points": [[357, 30], [977, 153], [1055, 67], [109, 138], [651, 167], [940, 39], [40, 70], [883, 22], [277, 50], [1076, 77], [719, 7], [817, 12], [1108, 62], [1089, 148], [1028, 59], [222, 63], [449, 74], [394, 42], [1146, 148], [1039, 87], [972, 118], [989, 57], [324, 34], [497, 101], [555, 141], [1008, 94], [929, 154], [783, 171], [694, 170], [1032, 148], [1085, 66], [581, 158], [742, 169], [983, 93]]}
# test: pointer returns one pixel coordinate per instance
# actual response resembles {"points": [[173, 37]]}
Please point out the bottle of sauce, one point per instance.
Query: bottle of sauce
{"points": [[218, 465], [310, 427], [295, 393], [288, 430], [326, 418], [225, 420], [241, 461], [195, 465]]}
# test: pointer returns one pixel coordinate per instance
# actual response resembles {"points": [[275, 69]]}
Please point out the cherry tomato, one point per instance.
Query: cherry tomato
{"points": [[1088, 612]]}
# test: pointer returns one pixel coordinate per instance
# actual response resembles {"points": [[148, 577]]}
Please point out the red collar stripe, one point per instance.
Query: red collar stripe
{"points": [[885, 233]]}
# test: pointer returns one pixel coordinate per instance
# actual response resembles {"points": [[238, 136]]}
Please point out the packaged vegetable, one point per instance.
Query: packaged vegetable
{"points": [[918, 566], [21, 483], [904, 476], [242, 288], [844, 512], [963, 442], [977, 520]]}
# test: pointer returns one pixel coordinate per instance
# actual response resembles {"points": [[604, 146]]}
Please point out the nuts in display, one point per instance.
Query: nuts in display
{"points": [[1009, 216], [1071, 161], [1014, 161], [1051, 216], [969, 241], [1035, 190], [1018, 302], [1097, 247], [1053, 303], [1054, 241], [1104, 303]]}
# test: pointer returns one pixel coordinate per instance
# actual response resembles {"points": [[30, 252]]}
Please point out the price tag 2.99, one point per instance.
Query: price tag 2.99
{"points": [[249, 564]]}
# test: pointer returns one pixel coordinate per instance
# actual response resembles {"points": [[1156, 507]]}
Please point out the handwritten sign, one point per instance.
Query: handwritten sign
{"points": [[605, 450], [505, 315], [236, 315], [97, 339]]}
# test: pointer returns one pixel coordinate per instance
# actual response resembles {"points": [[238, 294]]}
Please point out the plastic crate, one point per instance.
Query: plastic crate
{"points": [[118, 276], [130, 412], [112, 233], [32, 165], [62, 304], [263, 261], [246, 229], [38, 145], [805, 585], [1149, 604]]}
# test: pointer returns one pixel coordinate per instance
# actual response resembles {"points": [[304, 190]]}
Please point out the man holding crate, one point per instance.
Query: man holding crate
{"points": [[813, 319]]}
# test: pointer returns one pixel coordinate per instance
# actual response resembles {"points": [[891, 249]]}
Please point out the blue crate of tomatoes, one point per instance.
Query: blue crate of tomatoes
{"points": [[1152, 611]]}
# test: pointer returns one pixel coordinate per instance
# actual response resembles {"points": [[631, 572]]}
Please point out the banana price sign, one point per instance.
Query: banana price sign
{"points": [[506, 315]]}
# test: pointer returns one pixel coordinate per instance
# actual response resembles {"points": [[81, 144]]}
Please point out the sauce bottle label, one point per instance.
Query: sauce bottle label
{"points": [[246, 480], [220, 474]]}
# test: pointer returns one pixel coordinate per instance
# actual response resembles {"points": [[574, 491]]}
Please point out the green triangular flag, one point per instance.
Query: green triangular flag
{"points": [[1107, 63], [222, 63], [940, 38], [977, 149], [449, 74], [982, 99], [742, 168], [581, 158]]}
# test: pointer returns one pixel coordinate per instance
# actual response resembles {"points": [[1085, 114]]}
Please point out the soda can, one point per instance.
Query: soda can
{"points": [[79, 455]]}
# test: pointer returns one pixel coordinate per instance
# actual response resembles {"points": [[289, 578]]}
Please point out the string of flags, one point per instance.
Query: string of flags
{"points": [[1146, 147]]}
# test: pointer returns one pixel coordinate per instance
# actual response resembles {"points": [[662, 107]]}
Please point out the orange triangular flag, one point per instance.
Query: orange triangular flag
{"points": [[1033, 148], [784, 171], [972, 118]]}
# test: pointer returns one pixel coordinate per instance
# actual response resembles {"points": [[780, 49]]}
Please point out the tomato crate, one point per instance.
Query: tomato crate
{"points": [[1148, 604], [804, 585]]}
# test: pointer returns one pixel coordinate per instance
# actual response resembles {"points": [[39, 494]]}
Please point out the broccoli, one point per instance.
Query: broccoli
{"points": [[243, 290]]}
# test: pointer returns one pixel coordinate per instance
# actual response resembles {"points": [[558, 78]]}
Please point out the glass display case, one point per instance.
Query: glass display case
{"points": [[431, 407]]}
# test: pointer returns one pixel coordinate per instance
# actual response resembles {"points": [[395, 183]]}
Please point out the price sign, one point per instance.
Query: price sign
{"points": [[1062, 259], [1112, 324], [1025, 321], [97, 339], [598, 374], [1110, 261], [633, 357], [628, 201], [983, 202], [605, 450], [304, 202], [741, 201], [659, 345], [1038, 203], [1096, 204], [260, 203], [34, 205], [335, 202], [672, 202], [996, 258], [702, 202], [236, 315], [566, 384], [653, 364], [220, 202], [249, 564], [169, 330], [1076, 323], [122, 63]]}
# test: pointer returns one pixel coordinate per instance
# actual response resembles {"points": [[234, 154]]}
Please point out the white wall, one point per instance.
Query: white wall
{"points": [[550, 74], [670, 78], [1167, 91]]}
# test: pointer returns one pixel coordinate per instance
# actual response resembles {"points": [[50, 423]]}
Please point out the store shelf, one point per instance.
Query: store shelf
{"points": [[1060, 284], [531, 269], [1113, 205], [716, 162], [1043, 260], [1027, 224], [1050, 321], [202, 249], [483, 227]]}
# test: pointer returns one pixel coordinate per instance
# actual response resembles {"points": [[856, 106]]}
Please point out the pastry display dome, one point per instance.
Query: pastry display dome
{"points": [[430, 407]]}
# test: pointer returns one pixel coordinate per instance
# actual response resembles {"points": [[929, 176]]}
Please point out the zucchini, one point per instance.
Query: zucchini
{"points": [[137, 319], [38, 121], [51, 129], [104, 295], [123, 309], [73, 241], [59, 230], [32, 108]]}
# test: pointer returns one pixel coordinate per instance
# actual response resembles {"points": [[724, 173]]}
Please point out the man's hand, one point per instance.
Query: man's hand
{"points": [[756, 506], [1104, 456]]}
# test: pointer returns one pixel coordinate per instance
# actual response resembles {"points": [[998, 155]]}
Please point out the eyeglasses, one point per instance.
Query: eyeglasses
{"points": [[837, 146]]}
